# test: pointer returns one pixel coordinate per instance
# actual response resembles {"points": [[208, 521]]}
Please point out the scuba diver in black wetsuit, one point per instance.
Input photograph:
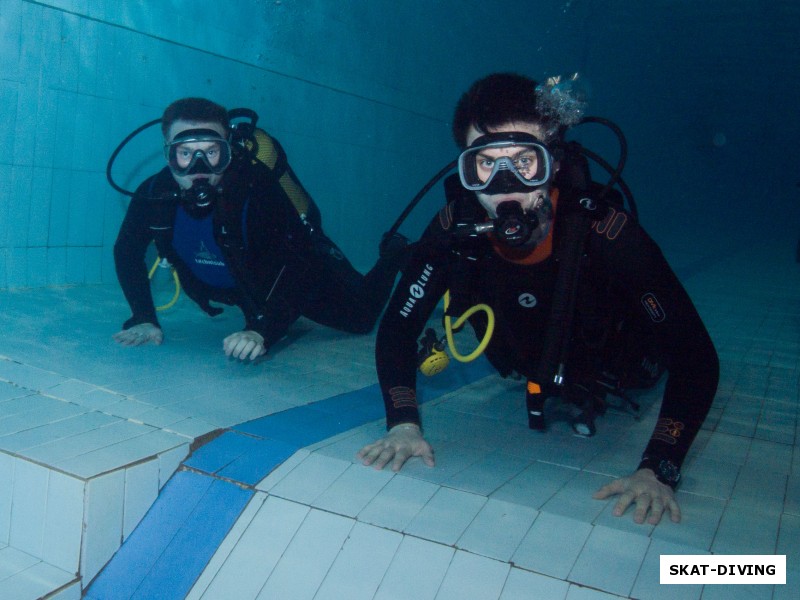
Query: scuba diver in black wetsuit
{"points": [[562, 267], [231, 227]]}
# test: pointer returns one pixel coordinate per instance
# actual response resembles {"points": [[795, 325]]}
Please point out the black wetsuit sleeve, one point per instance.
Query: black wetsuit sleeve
{"points": [[642, 275], [135, 235], [280, 263], [422, 285]]}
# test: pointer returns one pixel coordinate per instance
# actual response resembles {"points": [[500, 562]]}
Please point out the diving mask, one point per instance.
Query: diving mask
{"points": [[507, 162], [196, 151]]}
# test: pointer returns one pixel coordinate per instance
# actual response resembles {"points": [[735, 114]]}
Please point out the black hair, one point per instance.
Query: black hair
{"points": [[495, 100], [194, 110]]}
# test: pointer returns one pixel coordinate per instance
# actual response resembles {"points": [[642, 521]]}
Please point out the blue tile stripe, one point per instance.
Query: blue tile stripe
{"points": [[163, 551], [196, 509]]}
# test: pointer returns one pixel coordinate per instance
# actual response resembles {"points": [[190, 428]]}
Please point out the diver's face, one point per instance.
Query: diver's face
{"points": [[529, 201], [185, 152]]}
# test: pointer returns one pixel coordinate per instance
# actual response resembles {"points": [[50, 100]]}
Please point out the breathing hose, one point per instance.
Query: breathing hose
{"points": [[449, 328], [164, 263]]}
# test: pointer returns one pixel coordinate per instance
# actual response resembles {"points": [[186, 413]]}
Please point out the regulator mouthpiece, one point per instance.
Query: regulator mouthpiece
{"points": [[513, 226]]}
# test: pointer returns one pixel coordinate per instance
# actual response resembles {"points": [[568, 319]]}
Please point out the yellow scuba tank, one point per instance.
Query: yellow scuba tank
{"points": [[269, 154]]}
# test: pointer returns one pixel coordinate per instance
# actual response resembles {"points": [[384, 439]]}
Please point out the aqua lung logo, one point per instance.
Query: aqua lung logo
{"points": [[205, 257], [653, 308], [527, 300], [416, 290]]}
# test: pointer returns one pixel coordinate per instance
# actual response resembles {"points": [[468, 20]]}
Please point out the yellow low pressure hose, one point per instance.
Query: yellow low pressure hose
{"points": [[164, 263], [448, 328]]}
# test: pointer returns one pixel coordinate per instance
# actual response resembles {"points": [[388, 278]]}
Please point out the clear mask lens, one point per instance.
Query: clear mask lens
{"points": [[198, 151], [527, 160]]}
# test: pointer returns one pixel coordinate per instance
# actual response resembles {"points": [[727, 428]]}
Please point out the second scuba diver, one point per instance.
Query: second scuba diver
{"points": [[233, 229], [562, 272]]}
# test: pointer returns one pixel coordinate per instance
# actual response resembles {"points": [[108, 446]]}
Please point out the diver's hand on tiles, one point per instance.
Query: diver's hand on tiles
{"points": [[401, 443], [647, 495], [143, 333], [244, 345]]}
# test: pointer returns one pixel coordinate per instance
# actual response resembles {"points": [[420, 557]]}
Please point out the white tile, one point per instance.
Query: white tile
{"points": [[311, 552], [71, 389], [29, 503], [21, 404], [524, 585], [13, 561], [52, 433], [39, 410], [189, 427], [6, 495], [353, 490], [578, 592], [789, 538], [37, 581], [169, 461], [427, 561], [738, 592], [8, 390], [451, 458], [535, 485], [105, 498], [648, 584], [709, 477], [744, 529], [552, 545], [488, 474], [398, 502], [498, 529], [727, 448], [115, 455], [788, 591], [574, 499], [259, 548], [606, 547], [308, 479], [446, 516], [616, 460], [282, 470], [63, 522], [141, 490], [28, 376], [100, 399], [761, 488], [126, 408], [700, 517], [473, 577], [346, 445], [353, 577], [77, 445], [71, 592]]}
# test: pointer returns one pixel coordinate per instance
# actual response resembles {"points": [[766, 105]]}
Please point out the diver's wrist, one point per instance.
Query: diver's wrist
{"points": [[406, 427]]}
